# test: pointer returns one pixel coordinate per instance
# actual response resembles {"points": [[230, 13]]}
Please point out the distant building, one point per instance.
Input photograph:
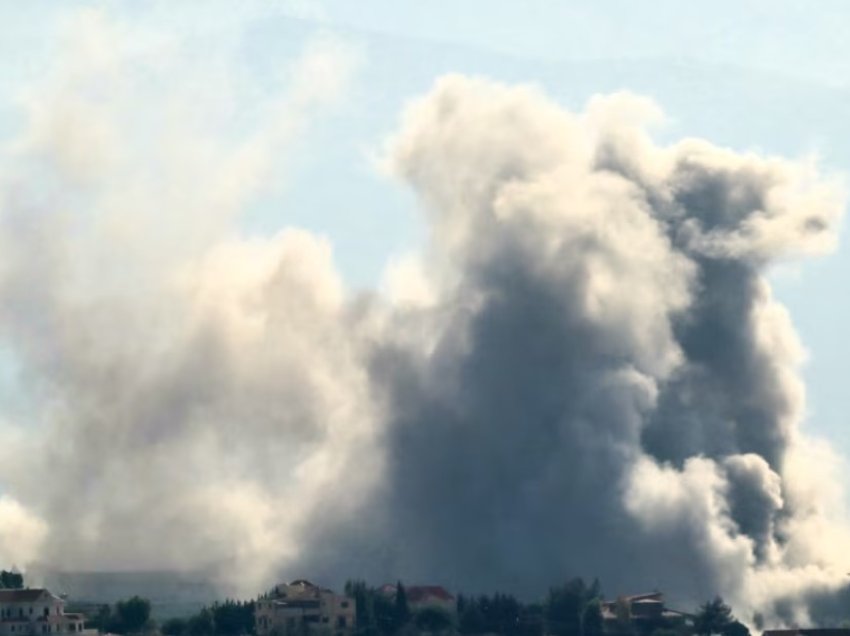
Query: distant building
{"points": [[301, 608], [33, 612], [171, 593], [425, 596], [645, 612], [836, 631]]}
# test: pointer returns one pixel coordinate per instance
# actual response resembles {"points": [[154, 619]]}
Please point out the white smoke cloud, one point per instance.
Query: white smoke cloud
{"points": [[583, 368], [22, 534], [165, 347]]}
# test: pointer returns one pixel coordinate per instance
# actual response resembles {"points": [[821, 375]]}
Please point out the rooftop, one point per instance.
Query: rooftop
{"points": [[825, 631], [419, 593], [23, 596]]}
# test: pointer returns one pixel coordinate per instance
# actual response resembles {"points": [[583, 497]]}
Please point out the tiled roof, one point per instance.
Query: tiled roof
{"points": [[675, 613], [22, 596], [836, 631], [636, 598], [419, 593]]}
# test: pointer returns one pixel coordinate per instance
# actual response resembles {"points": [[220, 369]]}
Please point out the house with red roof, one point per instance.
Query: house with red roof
{"points": [[425, 596]]}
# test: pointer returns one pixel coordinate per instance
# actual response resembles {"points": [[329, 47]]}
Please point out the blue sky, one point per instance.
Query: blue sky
{"points": [[768, 76]]}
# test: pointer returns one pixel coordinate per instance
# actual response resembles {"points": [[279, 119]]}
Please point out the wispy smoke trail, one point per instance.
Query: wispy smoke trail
{"points": [[583, 371]]}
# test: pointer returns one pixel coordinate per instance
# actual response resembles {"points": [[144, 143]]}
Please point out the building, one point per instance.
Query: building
{"points": [[645, 613], [824, 631], [171, 593], [420, 597], [300, 608], [32, 612]]}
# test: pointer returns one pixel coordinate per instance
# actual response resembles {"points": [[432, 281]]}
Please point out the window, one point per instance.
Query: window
{"points": [[340, 621], [345, 605], [47, 611]]}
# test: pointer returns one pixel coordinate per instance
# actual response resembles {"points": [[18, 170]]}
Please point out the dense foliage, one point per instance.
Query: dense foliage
{"points": [[715, 619], [131, 616], [571, 609], [230, 618], [11, 580]]}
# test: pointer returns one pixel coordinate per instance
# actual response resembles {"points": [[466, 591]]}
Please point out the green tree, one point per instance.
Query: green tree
{"points": [[131, 616], [401, 614], [201, 624], [174, 627], [433, 620], [504, 614], [364, 603], [376, 610], [101, 620], [470, 618], [11, 580], [594, 591], [564, 608], [713, 617], [385, 611], [591, 619], [531, 622], [232, 618], [736, 628]]}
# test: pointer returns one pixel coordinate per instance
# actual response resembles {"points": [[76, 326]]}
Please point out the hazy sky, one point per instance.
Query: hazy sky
{"points": [[767, 77], [751, 75]]}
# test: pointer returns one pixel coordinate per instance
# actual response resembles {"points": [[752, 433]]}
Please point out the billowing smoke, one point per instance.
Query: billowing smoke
{"points": [[582, 372], [597, 379]]}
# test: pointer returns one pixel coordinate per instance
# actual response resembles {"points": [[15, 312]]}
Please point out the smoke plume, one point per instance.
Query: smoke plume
{"points": [[583, 371]]}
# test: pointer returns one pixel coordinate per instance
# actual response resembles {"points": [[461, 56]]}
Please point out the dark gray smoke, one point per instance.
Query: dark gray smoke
{"points": [[599, 381], [582, 372]]}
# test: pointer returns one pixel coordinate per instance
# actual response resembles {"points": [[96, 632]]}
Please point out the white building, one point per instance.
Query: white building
{"points": [[300, 608], [33, 612], [644, 611]]}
